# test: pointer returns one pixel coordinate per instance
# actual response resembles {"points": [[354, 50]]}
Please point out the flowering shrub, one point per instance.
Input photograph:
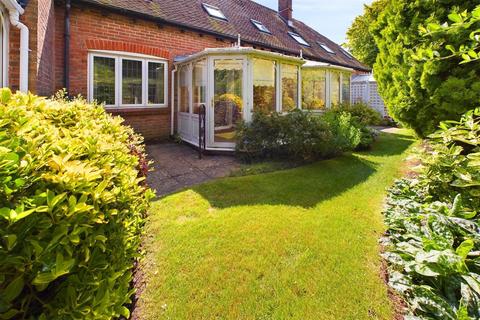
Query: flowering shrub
{"points": [[72, 202]]}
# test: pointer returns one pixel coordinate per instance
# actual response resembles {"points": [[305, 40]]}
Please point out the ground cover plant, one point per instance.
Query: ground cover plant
{"points": [[72, 203], [433, 239], [302, 135], [292, 244]]}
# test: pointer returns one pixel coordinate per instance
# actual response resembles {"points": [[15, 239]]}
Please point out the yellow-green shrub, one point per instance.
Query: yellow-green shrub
{"points": [[72, 201]]}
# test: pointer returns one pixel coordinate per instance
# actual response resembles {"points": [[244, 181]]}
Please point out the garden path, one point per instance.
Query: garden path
{"points": [[176, 166]]}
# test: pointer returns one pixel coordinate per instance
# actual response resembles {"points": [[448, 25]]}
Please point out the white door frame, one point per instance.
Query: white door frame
{"points": [[210, 116]]}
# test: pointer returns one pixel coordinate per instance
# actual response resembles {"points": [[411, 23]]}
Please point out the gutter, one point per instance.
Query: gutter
{"points": [[66, 51], [24, 35], [172, 103], [147, 17]]}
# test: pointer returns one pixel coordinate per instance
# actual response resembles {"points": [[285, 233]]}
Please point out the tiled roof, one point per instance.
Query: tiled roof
{"points": [[191, 14]]}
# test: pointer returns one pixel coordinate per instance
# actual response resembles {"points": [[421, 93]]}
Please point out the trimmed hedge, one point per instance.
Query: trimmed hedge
{"points": [[72, 203], [301, 135]]}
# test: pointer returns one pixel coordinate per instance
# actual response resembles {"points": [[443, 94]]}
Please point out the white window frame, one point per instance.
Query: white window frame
{"points": [[260, 26], [325, 47], [280, 87], [299, 39], [347, 54], [214, 11], [118, 57]]}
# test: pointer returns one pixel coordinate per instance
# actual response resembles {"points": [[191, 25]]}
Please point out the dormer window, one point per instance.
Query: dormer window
{"points": [[347, 54], [299, 39], [326, 48], [260, 26], [214, 11]]}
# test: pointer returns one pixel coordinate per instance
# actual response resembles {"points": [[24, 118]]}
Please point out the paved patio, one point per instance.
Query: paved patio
{"points": [[176, 166]]}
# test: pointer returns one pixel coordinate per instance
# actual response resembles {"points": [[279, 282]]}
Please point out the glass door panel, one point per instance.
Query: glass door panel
{"points": [[227, 99]]}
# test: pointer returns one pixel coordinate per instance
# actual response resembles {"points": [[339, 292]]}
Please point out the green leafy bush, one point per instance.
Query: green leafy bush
{"points": [[72, 202], [418, 93], [298, 135], [433, 238], [361, 112]]}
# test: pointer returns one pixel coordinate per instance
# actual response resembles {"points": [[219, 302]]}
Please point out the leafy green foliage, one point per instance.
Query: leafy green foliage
{"points": [[433, 243], [460, 23], [361, 112], [422, 93], [360, 40], [299, 135], [72, 201]]}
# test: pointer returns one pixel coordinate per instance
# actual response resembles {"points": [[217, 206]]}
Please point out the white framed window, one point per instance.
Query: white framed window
{"points": [[299, 39], [260, 26], [326, 48], [214, 11], [347, 54], [289, 79], [124, 80]]}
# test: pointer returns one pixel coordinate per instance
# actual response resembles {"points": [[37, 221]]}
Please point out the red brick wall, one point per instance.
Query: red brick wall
{"points": [[39, 18], [29, 18], [92, 28], [45, 75]]}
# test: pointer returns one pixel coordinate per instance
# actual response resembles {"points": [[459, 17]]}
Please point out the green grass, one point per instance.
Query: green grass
{"points": [[293, 244]]}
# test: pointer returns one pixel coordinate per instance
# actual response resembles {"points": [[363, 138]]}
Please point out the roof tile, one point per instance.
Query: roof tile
{"points": [[190, 13]]}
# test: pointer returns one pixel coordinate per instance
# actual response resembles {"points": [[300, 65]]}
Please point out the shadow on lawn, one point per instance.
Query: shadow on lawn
{"points": [[305, 186]]}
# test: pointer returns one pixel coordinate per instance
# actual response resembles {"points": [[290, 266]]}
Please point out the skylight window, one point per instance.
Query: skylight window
{"points": [[347, 54], [260, 26], [326, 48], [299, 39], [214, 11]]}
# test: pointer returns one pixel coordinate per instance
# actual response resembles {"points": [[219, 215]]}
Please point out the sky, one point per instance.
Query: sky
{"points": [[329, 17]]}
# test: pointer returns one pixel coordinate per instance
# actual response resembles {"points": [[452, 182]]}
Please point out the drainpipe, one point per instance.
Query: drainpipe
{"points": [[66, 52], [15, 21], [172, 104]]}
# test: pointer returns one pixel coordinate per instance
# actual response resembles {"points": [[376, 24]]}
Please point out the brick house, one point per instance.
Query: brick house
{"points": [[155, 62]]}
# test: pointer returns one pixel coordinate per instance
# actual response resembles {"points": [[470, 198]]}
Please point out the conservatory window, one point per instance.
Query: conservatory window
{"points": [[129, 80], [326, 48], [299, 39], [260, 26], [289, 79], [183, 85], [313, 89], [334, 88], [346, 88], [199, 77], [214, 11], [264, 88]]}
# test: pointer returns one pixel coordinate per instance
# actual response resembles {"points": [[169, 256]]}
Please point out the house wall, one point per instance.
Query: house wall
{"points": [[39, 18], [96, 29]]}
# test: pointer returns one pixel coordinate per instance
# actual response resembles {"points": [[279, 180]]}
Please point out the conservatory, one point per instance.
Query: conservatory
{"points": [[324, 85], [216, 89]]}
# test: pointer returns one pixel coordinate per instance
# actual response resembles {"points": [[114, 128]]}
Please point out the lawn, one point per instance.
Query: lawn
{"points": [[293, 244]]}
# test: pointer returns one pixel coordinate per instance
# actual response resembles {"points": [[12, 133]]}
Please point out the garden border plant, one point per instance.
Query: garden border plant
{"points": [[72, 206], [433, 237], [302, 135]]}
